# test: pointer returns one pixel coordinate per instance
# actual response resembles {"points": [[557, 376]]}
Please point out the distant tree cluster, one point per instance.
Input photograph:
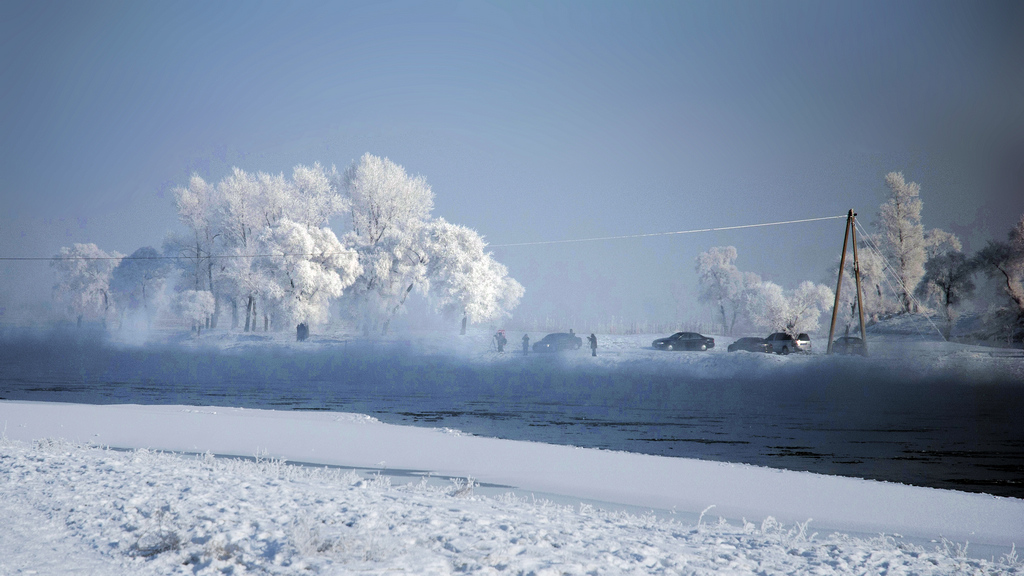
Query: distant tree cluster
{"points": [[84, 274], [260, 244], [745, 297], [906, 269]]}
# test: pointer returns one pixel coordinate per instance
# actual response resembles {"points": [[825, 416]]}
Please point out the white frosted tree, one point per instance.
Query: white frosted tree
{"points": [[251, 204], [309, 268], [806, 305], [194, 306], [314, 195], [199, 206], [464, 278], [902, 235], [938, 242], [721, 284], [262, 240], [796, 311], [83, 281], [389, 210]]}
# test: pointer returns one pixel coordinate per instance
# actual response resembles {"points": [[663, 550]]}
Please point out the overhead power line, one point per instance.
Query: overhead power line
{"points": [[535, 243], [694, 231], [205, 257], [887, 267]]}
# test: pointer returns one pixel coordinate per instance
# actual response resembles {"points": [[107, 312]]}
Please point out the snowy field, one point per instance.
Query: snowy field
{"points": [[129, 489], [435, 501]]}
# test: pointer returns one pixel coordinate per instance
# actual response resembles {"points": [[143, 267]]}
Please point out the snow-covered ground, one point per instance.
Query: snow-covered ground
{"points": [[71, 506]]}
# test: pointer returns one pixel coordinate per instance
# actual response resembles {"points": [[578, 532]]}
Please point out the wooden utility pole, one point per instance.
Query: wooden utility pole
{"points": [[851, 229], [856, 275]]}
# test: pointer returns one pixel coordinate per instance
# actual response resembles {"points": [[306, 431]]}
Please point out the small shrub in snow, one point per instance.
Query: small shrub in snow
{"points": [[1010, 558], [954, 549], [463, 488]]}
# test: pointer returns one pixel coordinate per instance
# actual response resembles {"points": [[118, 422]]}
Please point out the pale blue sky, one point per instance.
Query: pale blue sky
{"points": [[531, 120]]}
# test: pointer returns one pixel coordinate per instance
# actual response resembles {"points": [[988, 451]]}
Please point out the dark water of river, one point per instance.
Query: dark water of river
{"points": [[926, 430]]}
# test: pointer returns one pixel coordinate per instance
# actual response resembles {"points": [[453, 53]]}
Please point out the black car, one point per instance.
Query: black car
{"points": [[557, 342], [784, 343], [750, 344], [684, 341], [849, 345]]}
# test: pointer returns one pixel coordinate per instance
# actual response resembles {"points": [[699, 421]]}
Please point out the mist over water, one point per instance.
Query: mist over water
{"points": [[944, 427]]}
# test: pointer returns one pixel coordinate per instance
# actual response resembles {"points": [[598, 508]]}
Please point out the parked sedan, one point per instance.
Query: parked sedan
{"points": [[684, 341], [784, 343], [750, 344], [557, 342], [849, 345]]}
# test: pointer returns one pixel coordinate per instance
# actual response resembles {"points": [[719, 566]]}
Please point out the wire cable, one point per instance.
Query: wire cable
{"points": [[648, 235], [213, 256], [891, 269], [537, 243]]}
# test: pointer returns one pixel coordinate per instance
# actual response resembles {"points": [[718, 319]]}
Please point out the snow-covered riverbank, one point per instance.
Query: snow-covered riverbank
{"points": [[70, 505]]}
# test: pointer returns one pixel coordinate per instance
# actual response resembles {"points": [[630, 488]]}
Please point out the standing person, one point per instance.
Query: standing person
{"points": [[526, 344], [593, 344], [500, 340]]}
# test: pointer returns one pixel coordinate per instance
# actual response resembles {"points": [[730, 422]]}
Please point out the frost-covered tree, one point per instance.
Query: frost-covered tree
{"points": [[948, 280], [464, 279], [138, 279], [198, 207], [937, 242], [262, 240], [246, 211], [721, 284], [389, 211], [902, 235], [309, 268], [1004, 261], [260, 211], [314, 195], [806, 304], [797, 311], [83, 281], [195, 306], [767, 307]]}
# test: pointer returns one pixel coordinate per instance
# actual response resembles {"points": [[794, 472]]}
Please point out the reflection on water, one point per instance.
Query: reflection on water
{"points": [[925, 430]]}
